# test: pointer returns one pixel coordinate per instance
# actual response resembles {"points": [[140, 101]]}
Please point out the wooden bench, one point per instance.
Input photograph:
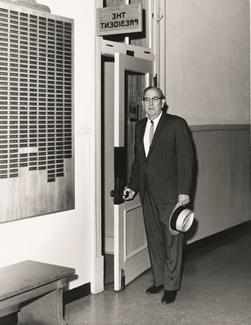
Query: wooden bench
{"points": [[31, 293]]}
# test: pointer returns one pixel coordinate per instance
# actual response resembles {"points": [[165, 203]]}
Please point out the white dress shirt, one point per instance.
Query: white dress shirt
{"points": [[146, 135]]}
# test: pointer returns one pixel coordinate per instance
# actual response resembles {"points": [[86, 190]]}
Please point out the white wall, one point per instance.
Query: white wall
{"points": [[207, 82], [207, 54], [67, 238]]}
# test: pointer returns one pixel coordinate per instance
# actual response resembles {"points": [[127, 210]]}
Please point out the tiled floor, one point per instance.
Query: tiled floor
{"points": [[216, 290]]}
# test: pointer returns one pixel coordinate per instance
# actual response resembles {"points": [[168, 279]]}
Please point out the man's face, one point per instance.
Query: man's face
{"points": [[152, 103]]}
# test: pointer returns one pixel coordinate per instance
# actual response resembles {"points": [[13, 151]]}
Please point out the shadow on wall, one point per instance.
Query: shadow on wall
{"points": [[192, 231]]}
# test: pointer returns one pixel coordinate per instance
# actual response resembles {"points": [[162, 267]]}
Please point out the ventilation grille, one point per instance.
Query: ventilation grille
{"points": [[35, 93]]}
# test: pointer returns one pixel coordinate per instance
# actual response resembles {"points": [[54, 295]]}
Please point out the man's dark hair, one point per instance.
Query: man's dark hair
{"points": [[153, 87], [165, 106]]}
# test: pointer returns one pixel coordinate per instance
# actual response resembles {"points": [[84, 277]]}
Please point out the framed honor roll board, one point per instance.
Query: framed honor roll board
{"points": [[36, 112]]}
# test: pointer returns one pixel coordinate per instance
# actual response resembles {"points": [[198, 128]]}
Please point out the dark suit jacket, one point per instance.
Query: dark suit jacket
{"points": [[167, 170]]}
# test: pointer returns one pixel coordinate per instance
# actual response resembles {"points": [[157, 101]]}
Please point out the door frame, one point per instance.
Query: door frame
{"points": [[106, 48], [157, 14], [127, 266]]}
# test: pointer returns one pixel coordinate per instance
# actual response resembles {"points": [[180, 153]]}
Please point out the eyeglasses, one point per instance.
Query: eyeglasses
{"points": [[154, 100]]}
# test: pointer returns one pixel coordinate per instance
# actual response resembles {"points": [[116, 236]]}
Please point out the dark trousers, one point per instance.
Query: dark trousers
{"points": [[165, 249]]}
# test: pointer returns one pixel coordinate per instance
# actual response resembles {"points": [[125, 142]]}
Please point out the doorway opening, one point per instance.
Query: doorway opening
{"points": [[123, 237], [107, 163]]}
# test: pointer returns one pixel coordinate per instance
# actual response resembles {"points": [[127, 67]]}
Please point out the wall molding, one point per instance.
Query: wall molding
{"points": [[219, 127]]}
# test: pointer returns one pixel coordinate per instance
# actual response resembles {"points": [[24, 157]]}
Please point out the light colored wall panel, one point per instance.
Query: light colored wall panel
{"points": [[222, 197], [207, 59]]}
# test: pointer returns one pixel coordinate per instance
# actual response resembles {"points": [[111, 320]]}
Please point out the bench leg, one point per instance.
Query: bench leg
{"points": [[46, 310]]}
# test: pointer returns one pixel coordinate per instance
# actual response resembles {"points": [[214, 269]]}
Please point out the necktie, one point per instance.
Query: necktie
{"points": [[151, 133]]}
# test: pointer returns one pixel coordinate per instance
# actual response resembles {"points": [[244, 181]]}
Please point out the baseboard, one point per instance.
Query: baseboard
{"points": [[222, 235], [77, 293]]}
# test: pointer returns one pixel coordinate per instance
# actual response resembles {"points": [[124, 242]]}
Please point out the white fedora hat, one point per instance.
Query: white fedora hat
{"points": [[181, 219]]}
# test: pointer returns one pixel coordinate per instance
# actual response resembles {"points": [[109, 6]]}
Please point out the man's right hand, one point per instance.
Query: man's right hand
{"points": [[128, 194]]}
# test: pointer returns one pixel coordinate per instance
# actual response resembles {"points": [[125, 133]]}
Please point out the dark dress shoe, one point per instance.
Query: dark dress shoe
{"points": [[154, 289], [168, 296]]}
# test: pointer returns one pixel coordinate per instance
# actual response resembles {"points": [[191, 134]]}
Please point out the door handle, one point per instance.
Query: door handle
{"points": [[117, 193], [112, 194]]}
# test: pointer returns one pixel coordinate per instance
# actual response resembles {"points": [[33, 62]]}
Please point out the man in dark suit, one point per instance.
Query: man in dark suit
{"points": [[162, 175]]}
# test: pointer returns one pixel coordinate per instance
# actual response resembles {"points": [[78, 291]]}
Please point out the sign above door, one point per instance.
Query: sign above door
{"points": [[124, 19]]}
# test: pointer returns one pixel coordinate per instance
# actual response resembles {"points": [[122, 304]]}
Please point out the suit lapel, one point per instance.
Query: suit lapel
{"points": [[159, 129], [142, 132]]}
